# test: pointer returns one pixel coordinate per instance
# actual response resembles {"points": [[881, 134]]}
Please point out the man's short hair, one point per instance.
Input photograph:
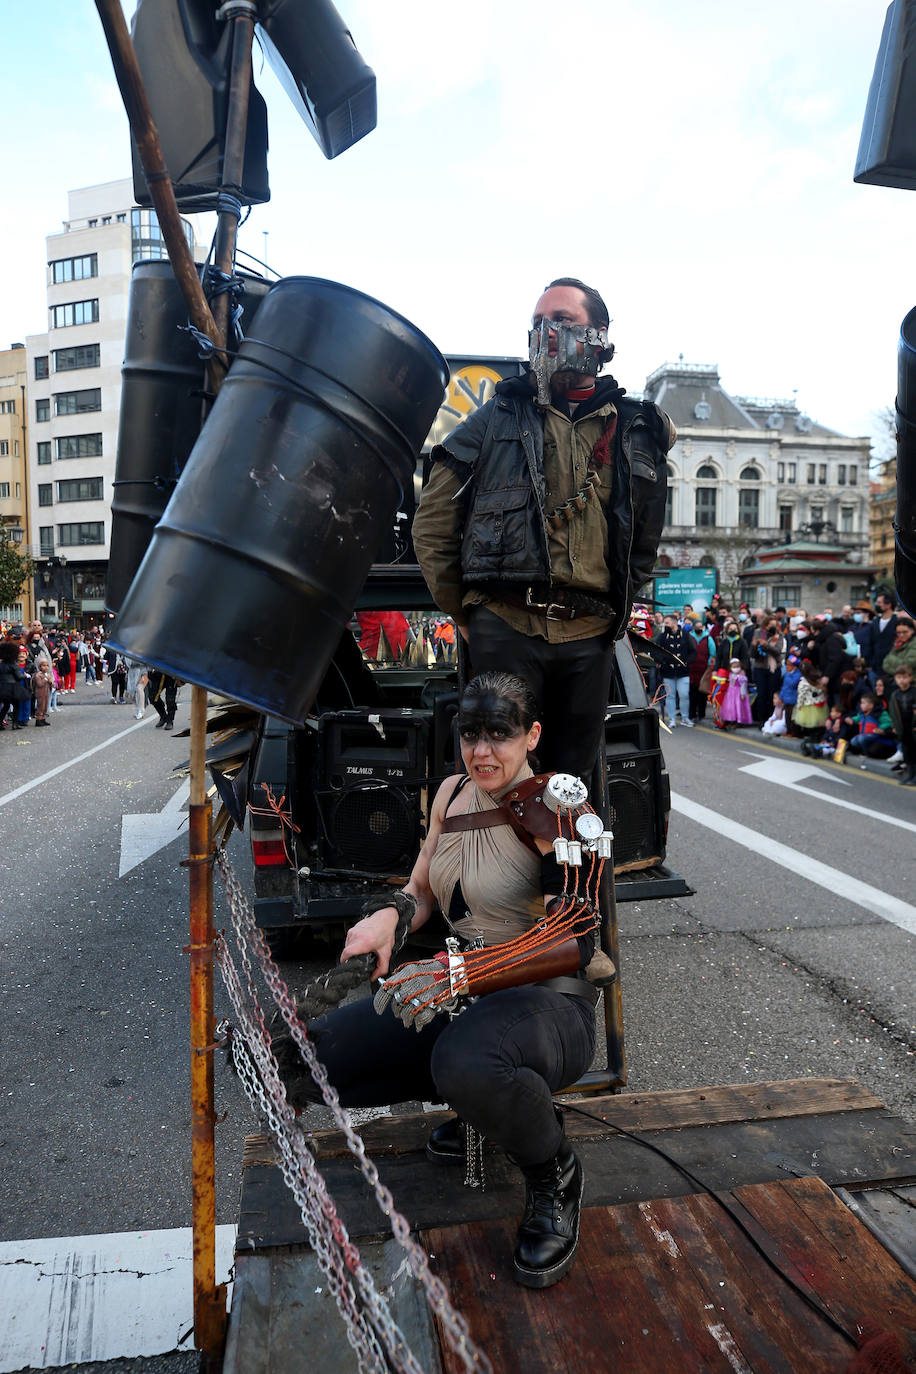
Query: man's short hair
{"points": [[597, 310]]}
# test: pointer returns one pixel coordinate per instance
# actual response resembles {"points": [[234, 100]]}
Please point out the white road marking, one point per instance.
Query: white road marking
{"points": [[62, 767], [787, 773], [75, 1299], [841, 884], [143, 834]]}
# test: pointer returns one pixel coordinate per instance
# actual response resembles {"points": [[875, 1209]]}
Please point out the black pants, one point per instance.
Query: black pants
{"points": [[496, 1064], [571, 682], [164, 699]]}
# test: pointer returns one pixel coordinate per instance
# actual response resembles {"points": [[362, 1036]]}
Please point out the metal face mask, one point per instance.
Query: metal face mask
{"points": [[567, 357]]}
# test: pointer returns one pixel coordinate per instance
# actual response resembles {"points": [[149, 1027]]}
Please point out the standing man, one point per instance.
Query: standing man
{"points": [[541, 521]]}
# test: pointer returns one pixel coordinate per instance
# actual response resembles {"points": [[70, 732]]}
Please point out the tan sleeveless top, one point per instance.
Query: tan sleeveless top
{"points": [[500, 878]]}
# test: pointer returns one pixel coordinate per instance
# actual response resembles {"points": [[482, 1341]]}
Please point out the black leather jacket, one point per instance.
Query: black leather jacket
{"points": [[498, 454]]}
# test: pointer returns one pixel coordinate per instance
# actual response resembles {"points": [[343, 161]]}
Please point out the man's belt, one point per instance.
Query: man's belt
{"points": [[556, 603], [571, 987]]}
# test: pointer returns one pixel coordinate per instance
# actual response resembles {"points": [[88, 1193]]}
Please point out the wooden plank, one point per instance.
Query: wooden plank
{"points": [[675, 1284], [853, 1149], [668, 1110]]}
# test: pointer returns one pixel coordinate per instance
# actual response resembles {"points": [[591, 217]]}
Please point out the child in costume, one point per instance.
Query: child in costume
{"points": [[775, 724], [828, 745], [811, 707], [736, 703]]}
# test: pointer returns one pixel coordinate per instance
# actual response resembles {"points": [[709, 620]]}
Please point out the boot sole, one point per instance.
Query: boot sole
{"points": [[546, 1278], [441, 1158]]}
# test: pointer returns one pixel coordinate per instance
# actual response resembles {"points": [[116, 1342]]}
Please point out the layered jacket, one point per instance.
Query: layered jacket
{"points": [[497, 455]]}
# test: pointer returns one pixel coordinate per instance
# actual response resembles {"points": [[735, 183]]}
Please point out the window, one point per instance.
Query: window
{"points": [[749, 475], [846, 520], [77, 402], [82, 355], [707, 472], [75, 312], [92, 223], [749, 507], [780, 472], [106, 219], [122, 219], [4, 448], [817, 514], [853, 475], [18, 490], [41, 368], [789, 594], [4, 490], [810, 475], [80, 489], [822, 474], [790, 476], [7, 407], [706, 506], [44, 453], [841, 474], [42, 410], [89, 532], [79, 446], [45, 494], [146, 239], [46, 540], [74, 269]]}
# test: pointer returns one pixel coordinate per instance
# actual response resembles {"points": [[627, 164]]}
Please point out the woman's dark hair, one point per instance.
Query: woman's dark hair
{"points": [[9, 652], [508, 685]]}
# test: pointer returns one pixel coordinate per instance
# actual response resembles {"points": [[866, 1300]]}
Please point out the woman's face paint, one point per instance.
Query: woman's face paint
{"points": [[494, 742]]}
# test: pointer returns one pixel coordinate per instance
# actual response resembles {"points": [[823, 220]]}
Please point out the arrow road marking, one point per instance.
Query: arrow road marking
{"points": [[144, 835], [841, 884], [788, 773]]}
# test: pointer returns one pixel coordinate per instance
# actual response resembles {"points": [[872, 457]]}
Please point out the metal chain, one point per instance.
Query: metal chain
{"points": [[250, 938]]}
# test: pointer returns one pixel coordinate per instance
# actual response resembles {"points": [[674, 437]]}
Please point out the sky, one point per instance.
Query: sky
{"points": [[692, 161]]}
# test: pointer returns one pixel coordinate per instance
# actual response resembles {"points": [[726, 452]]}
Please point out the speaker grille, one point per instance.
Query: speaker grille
{"points": [[631, 818], [373, 828]]}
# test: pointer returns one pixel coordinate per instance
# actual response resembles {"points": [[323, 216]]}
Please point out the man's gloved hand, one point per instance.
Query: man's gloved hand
{"points": [[417, 992]]}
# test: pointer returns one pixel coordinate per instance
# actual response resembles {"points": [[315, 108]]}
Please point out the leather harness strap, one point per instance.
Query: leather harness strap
{"points": [[511, 812]]}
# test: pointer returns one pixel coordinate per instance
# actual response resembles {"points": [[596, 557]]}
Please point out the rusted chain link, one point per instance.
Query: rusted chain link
{"points": [[259, 1074]]}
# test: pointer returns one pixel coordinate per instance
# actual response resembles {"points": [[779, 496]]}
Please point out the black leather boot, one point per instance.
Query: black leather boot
{"points": [[548, 1236], [446, 1143]]}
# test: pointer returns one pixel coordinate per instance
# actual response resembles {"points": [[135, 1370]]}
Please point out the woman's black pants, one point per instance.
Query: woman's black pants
{"points": [[496, 1064]]}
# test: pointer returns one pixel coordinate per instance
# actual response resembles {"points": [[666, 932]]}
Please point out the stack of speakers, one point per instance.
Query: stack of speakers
{"points": [[636, 787]]}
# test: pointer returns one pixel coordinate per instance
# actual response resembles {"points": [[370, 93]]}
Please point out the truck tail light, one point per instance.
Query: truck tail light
{"points": [[267, 848]]}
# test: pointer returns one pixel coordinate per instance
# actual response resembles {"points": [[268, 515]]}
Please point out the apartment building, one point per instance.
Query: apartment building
{"points": [[14, 511], [74, 392]]}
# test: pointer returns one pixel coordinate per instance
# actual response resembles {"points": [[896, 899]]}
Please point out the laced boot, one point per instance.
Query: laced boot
{"points": [[548, 1236], [446, 1143]]}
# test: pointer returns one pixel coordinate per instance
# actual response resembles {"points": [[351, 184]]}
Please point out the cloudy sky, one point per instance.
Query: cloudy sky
{"points": [[692, 161]]}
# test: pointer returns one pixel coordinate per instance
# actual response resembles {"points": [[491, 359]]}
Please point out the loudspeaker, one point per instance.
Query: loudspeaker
{"points": [[372, 766], [635, 789]]}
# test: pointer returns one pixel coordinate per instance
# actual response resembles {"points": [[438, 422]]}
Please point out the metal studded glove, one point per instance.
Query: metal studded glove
{"points": [[417, 992]]}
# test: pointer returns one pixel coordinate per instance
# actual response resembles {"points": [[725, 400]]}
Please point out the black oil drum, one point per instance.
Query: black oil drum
{"points": [[254, 569], [162, 382]]}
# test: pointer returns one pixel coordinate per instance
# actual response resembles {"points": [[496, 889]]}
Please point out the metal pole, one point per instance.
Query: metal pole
{"points": [[209, 1299]]}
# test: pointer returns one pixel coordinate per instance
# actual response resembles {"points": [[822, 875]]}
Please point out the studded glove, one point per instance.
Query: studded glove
{"points": [[417, 992]]}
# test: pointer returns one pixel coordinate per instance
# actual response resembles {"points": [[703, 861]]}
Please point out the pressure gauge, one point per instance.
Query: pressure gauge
{"points": [[565, 793], [589, 826]]}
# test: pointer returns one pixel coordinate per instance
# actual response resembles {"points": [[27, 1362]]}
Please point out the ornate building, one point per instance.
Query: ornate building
{"points": [[882, 512], [749, 475]]}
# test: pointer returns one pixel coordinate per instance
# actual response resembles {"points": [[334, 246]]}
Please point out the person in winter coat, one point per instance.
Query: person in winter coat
{"points": [[682, 649], [831, 658], [788, 689], [904, 650], [903, 714], [42, 682], [732, 645], [704, 658], [11, 677]]}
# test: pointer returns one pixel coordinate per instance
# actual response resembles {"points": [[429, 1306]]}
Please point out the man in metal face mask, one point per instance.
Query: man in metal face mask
{"points": [[541, 520]]}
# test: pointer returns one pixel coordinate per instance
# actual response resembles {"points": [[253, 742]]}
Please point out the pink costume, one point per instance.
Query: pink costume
{"points": [[736, 703]]}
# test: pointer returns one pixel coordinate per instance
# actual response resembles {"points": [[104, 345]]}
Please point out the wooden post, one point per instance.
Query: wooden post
{"points": [[209, 1298]]}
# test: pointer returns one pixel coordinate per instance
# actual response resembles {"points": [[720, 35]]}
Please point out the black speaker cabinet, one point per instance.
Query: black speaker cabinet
{"points": [[372, 767], [635, 788]]}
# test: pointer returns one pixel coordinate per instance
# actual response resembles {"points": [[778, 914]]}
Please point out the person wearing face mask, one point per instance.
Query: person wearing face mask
{"points": [[541, 520], [904, 650], [732, 645], [489, 863]]}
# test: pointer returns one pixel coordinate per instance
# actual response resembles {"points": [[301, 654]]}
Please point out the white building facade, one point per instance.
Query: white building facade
{"points": [[750, 474], [74, 392]]}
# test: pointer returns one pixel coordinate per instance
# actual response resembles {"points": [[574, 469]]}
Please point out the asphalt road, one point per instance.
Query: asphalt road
{"points": [[763, 973]]}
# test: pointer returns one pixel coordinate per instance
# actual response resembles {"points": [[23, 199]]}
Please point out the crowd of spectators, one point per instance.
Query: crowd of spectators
{"points": [[39, 667], [837, 681]]}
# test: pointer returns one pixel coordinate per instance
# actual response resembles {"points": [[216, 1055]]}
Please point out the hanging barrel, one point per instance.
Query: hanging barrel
{"points": [[256, 564], [162, 381]]}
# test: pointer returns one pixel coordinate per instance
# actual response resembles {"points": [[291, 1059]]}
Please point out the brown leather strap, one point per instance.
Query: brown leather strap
{"points": [[510, 813]]}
